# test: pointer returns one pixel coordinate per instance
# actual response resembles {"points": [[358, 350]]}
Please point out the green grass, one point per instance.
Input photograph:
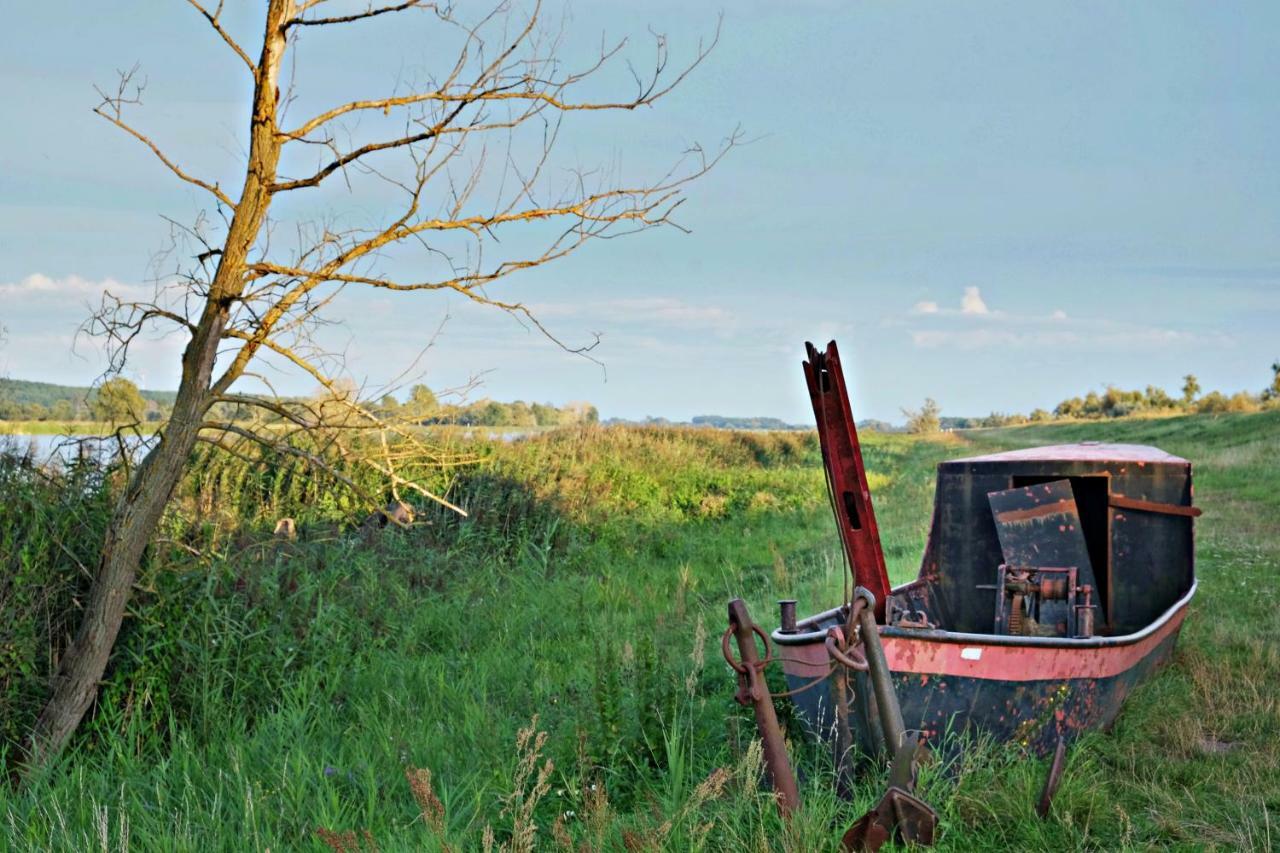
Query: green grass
{"points": [[265, 690], [65, 428]]}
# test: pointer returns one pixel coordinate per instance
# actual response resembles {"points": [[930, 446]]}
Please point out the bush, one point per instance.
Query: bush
{"points": [[926, 420], [51, 529]]}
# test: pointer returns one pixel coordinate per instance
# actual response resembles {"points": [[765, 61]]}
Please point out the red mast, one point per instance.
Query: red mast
{"points": [[846, 476]]}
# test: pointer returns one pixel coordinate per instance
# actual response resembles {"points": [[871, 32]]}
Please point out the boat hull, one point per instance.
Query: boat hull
{"points": [[1028, 691]]}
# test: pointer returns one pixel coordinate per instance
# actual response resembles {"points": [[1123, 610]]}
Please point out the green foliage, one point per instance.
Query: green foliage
{"points": [[1190, 389], [117, 401], [1272, 392], [1215, 402], [423, 407], [1117, 402], [264, 689], [422, 402], [925, 420], [36, 401], [726, 422], [51, 529]]}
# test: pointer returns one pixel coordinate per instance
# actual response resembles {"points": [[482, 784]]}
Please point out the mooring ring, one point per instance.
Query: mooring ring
{"points": [[741, 668], [855, 662]]}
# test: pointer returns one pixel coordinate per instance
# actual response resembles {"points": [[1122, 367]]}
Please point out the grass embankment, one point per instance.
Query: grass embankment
{"points": [[63, 428], [271, 689]]}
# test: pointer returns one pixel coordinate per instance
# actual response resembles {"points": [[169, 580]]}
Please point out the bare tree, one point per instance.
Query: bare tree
{"points": [[450, 151]]}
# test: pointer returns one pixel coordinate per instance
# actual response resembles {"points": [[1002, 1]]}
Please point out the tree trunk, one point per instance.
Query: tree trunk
{"points": [[140, 508], [138, 512]]}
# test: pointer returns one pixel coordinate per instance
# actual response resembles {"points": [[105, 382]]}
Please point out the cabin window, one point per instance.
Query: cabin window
{"points": [[1092, 495]]}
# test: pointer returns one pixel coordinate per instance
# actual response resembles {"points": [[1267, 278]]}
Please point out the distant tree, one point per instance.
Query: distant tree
{"points": [[1072, 408], [1243, 401], [118, 401], [1272, 391], [1158, 398], [490, 413], [388, 405], [422, 402], [545, 414], [1215, 402], [62, 410], [875, 425], [1190, 390], [925, 420], [1092, 407], [519, 414], [1117, 402], [1040, 415], [578, 412]]}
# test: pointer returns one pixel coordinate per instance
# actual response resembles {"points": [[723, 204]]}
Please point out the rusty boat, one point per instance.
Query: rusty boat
{"points": [[1054, 581]]}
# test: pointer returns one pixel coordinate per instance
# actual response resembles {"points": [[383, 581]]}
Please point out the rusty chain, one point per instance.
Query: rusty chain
{"points": [[749, 677], [848, 650], [844, 653]]}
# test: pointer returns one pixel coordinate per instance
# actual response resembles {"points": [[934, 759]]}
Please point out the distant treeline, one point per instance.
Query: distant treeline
{"points": [[724, 422], [1114, 402], [21, 400], [713, 422], [121, 401], [421, 406]]}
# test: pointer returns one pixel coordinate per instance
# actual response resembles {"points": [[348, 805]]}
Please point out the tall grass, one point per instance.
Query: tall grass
{"points": [[51, 528], [356, 690]]}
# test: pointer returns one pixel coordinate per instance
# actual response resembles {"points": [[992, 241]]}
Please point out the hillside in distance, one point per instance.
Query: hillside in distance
{"points": [[24, 392]]}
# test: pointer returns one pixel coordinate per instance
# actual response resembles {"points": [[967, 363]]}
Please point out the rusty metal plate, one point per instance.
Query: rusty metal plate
{"points": [[1039, 525]]}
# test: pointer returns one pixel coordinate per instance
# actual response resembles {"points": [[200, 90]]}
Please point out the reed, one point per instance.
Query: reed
{"points": [[264, 688]]}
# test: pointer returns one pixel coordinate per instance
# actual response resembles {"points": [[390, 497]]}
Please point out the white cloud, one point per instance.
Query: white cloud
{"points": [[40, 286], [658, 311], [971, 302], [976, 326], [1038, 333]]}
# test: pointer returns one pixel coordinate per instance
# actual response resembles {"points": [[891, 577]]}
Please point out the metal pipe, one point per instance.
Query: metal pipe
{"points": [[881, 679], [787, 615], [844, 734], [757, 693]]}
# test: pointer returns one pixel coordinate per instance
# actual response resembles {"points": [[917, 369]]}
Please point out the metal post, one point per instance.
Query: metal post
{"points": [[881, 679], [787, 616], [757, 693]]}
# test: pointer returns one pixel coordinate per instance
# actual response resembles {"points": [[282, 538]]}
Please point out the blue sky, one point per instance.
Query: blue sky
{"points": [[994, 204]]}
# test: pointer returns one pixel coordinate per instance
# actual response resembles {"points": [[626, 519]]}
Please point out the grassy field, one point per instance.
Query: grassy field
{"points": [[65, 428], [546, 674]]}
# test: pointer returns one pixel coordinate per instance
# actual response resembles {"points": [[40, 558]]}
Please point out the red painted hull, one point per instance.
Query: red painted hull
{"points": [[1031, 691]]}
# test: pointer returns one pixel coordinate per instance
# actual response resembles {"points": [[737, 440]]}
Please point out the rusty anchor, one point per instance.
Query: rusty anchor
{"points": [[754, 690], [900, 814], [1052, 779]]}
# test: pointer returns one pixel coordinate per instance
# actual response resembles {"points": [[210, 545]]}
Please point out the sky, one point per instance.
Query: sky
{"points": [[996, 205]]}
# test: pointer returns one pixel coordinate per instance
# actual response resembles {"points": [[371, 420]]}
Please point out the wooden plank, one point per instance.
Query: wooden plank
{"points": [[1122, 502]]}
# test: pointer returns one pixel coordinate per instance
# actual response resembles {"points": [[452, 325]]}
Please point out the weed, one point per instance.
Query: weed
{"points": [[262, 688]]}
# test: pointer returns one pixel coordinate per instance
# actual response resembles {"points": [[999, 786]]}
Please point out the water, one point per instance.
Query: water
{"points": [[63, 448], [50, 449]]}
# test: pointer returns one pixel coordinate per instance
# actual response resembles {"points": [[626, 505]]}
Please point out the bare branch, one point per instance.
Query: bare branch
{"points": [[111, 109], [359, 16], [212, 18]]}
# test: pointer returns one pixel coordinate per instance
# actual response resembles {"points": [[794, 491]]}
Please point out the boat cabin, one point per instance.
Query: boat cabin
{"points": [[1069, 541]]}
